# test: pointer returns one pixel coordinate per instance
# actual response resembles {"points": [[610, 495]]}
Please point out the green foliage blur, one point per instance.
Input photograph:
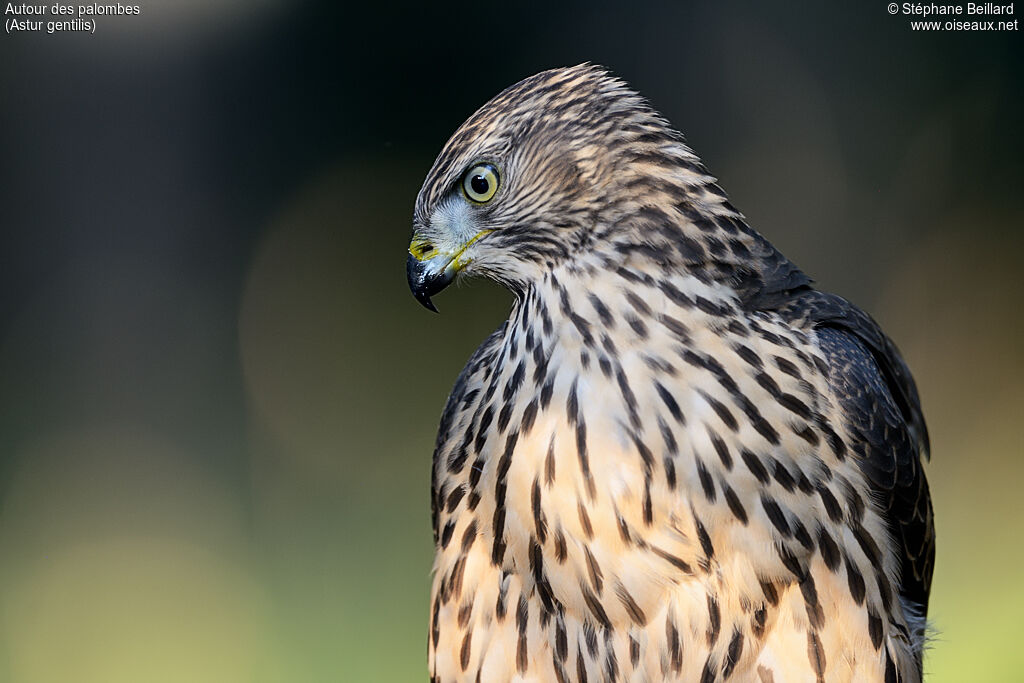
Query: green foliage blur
{"points": [[218, 399]]}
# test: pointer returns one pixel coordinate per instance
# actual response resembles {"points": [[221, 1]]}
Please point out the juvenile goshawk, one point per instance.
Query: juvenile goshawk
{"points": [[676, 460]]}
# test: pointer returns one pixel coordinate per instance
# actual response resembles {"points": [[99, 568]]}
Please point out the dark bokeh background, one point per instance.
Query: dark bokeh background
{"points": [[218, 400]]}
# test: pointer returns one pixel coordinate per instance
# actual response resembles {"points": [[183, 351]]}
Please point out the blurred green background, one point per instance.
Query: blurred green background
{"points": [[218, 399]]}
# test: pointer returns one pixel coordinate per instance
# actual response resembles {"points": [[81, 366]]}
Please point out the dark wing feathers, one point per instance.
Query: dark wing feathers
{"points": [[884, 416], [823, 310]]}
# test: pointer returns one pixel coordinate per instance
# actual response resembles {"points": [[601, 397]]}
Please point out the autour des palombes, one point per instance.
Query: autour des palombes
{"points": [[95, 9]]}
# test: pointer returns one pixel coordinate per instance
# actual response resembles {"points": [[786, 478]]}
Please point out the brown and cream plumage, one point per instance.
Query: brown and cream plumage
{"points": [[676, 460]]}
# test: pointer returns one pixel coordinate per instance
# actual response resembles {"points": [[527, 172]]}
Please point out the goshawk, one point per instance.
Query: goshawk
{"points": [[676, 460]]}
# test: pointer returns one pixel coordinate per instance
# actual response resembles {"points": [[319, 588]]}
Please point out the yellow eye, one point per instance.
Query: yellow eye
{"points": [[480, 183]]}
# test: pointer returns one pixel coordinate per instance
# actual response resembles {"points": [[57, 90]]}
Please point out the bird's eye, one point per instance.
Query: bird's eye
{"points": [[480, 183]]}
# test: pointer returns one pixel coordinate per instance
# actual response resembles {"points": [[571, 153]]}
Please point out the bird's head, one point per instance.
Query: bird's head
{"points": [[522, 184]]}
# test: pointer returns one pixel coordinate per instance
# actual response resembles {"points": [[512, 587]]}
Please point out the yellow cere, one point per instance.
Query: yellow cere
{"points": [[424, 250]]}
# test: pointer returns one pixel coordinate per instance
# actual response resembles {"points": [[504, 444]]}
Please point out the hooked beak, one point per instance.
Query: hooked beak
{"points": [[430, 268], [427, 278]]}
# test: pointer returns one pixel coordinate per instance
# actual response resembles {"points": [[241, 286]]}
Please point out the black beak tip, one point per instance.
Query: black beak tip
{"points": [[424, 299]]}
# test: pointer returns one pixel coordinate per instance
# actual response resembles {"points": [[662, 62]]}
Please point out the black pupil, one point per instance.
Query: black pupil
{"points": [[480, 184]]}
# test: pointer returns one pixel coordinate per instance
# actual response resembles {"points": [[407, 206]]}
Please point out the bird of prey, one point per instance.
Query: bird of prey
{"points": [[676, 460]]}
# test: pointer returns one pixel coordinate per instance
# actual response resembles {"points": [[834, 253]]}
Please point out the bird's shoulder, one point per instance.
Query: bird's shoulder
{"points": [[878, 399], [846, 327]]}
